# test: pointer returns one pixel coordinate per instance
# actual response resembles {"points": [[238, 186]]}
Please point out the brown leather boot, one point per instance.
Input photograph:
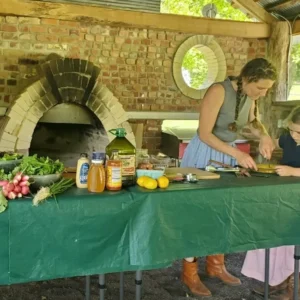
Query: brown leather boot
{"points": [[190, 277], [215, 267]]}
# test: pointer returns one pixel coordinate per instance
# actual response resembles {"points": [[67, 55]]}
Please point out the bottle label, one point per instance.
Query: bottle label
{"points": [[84, 170], [128, 164], [114, 176]]}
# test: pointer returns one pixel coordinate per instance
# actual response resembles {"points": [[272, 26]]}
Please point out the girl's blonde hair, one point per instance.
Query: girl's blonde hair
{"points": [[293, 117]]}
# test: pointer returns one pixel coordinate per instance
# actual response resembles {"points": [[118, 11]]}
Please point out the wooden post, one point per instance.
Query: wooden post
{"points": [[277, 53]]}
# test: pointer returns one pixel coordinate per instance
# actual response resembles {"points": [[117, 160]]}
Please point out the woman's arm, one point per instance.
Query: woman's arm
{"points": [[256, 132], [209, 110], [266, 145]]}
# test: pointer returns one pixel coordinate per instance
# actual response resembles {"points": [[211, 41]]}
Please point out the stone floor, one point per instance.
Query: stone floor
{"points": [[161, 284]]}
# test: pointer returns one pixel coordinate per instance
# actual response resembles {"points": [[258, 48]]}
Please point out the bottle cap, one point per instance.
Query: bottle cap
{"points": [[98, 156], [119, 132], [84, 155]]}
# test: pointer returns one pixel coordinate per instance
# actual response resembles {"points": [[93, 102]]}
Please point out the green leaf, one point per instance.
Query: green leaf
{"points": [[3, 202]]}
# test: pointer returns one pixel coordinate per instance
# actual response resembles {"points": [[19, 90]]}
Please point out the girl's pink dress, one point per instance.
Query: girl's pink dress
{"points": [[281, 264]]}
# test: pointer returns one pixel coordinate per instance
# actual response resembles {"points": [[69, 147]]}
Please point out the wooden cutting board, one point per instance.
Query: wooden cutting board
{"points": [[172, 172]]}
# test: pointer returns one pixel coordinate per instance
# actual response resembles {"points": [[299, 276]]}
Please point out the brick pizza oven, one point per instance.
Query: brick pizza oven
{"points": [[66, 89]]}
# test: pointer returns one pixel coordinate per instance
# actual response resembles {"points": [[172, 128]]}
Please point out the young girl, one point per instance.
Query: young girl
{"points": [[281, 258]]}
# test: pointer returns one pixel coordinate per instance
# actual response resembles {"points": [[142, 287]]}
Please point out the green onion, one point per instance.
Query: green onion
{"points": [[51, 191]]}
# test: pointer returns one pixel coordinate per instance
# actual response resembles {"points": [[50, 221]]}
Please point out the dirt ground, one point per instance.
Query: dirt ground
{"points": [[161, 284]]}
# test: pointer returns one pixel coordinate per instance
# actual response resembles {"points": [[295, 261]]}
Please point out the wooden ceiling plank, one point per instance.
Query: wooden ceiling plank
{"points": [[256, 11], [117, 17]]}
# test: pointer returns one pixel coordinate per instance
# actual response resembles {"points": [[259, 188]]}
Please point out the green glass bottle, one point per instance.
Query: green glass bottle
{"points": [[126, 154]]}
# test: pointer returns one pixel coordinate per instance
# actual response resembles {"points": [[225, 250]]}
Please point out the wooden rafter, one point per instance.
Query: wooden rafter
{"points": [[255, 10], [100, 15]]}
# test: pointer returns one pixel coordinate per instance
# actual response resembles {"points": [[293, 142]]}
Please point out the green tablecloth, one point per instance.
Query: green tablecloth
{"points": [[139, 229]]}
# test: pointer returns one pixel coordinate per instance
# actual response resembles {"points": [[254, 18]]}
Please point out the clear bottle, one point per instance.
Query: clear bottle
{"points": [[96, 175], [114, 172], [126, 155], [83, 166]]}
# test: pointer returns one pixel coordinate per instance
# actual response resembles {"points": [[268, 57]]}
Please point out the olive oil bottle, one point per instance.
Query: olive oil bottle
{"points": [[126, 154]]}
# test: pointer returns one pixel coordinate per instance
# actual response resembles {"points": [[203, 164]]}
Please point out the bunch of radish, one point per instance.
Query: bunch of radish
{"points": [[17, 188]]}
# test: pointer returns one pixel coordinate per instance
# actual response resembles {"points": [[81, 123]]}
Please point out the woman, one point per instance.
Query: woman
{"points": [[281, 258], [226, 108]]}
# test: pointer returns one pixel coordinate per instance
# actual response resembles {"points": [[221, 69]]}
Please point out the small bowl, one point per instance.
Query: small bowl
{"points": [[150, 173], [9, 165], [39, 181]]}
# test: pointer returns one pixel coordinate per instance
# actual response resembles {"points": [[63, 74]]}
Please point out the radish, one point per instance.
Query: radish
{"points": [[25, 190], [5, 193], [20, 195], [10, 187], [25, 178], [3, 182], [17, 189], [18, 177], [12, 195], [24, 183], [15, 181]]}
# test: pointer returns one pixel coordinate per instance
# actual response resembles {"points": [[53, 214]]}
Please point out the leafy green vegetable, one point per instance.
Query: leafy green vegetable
{"points": [[3, 202], [10, 156], [34, 165], [4, 176]]}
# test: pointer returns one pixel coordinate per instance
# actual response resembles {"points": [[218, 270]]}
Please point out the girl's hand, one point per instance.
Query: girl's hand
{"points": [[266, 146], [245, 160], [284, 170]]}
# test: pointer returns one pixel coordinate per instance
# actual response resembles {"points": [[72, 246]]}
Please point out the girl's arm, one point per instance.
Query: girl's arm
{"points": [[209, 110], [287, 171], [296, 172]]}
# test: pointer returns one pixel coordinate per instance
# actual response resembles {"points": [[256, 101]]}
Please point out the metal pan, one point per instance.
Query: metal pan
{"points": [[266, 168]]}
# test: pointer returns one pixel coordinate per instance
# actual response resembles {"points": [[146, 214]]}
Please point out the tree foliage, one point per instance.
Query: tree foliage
{"points": [[194, 8], [194, 68]]}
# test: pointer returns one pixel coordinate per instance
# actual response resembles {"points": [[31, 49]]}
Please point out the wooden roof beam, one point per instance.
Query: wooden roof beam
{"points": [[256, 11], [127, 18]]}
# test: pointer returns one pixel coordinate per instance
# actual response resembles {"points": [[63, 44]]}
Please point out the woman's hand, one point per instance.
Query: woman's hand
{"points": [[266, 146], [284, 170], [245, 160]]}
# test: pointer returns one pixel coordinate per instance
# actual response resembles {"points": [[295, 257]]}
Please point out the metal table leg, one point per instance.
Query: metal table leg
{"points": [[296, 273], [87, 287], [121, 285], [267, 273], [102, 286], [138, 285]]}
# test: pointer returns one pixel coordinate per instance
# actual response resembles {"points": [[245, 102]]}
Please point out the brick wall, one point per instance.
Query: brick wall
{"points": [[136, 64]]}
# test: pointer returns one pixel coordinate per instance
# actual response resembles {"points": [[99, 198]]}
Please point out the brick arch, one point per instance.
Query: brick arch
{"points": [[63, 80]]}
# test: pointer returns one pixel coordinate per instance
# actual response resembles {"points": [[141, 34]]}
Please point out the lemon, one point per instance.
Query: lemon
{"points": [[141, 180], [163, 182], [150, 184]]}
